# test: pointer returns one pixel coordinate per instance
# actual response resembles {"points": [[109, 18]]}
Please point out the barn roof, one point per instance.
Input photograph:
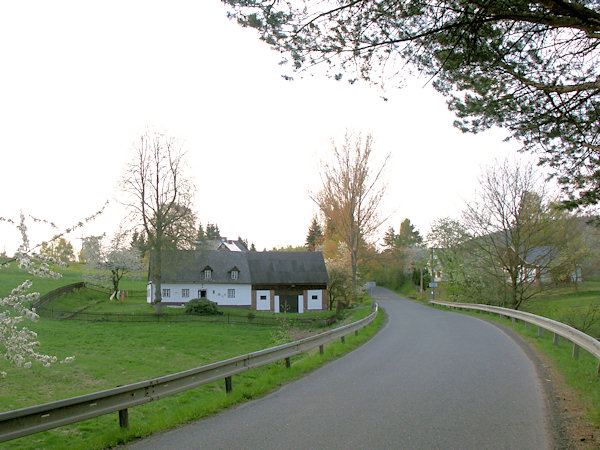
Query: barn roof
{"points": [[287, 268]]}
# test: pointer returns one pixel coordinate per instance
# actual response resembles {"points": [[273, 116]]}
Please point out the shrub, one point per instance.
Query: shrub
{"points": [[201, 306], [251, 315]]}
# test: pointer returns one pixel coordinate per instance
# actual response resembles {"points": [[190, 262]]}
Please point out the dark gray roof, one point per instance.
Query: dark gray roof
{"points": [[187, 266], [287, 268]]}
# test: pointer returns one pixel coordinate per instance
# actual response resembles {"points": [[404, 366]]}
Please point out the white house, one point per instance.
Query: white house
{"points": [[263, 281]]}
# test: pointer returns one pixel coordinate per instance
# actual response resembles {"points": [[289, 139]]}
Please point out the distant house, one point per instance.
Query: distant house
{"points": [[263, 281], [223, 244]]}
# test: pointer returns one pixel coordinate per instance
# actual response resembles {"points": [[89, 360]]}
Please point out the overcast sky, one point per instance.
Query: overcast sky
{"points": [[80, 81]]}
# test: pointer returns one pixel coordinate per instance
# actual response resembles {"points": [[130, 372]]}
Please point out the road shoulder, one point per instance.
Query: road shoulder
{"points": [[565, 414]]}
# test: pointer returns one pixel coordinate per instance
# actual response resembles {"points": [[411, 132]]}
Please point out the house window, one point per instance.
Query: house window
{"points": [[263, 297], [207, 274], [166, 293], [185, 293], [314, 297], [230, 293], [234, 274]]}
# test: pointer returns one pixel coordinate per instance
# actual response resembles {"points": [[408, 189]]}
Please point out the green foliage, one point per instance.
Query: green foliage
{"points": [[416, 277], [60, 249], [390, 277], [201, 306]]}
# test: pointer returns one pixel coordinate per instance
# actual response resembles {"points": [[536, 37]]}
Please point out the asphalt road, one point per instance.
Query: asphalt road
{"points": [[430, 379]]}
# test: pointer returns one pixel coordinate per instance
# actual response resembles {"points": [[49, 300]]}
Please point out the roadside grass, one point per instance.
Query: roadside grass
{"points": [[580, 374], [111, 354]]}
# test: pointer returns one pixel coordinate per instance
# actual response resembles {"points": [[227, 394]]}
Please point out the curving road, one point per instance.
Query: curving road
{"points": [[429, 379]]}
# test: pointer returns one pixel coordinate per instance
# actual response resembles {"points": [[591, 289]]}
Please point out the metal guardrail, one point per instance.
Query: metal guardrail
{"points": [[578, 338], [26, 421]]}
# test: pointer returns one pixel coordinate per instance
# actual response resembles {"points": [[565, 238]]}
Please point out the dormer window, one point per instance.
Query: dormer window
{"points": [[207, 273], [234, 274]]}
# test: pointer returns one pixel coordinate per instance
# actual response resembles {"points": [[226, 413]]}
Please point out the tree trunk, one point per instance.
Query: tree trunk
{"points": [[158, 282]]}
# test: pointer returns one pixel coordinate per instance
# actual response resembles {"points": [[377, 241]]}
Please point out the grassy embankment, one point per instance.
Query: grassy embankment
{"points": [[112, 354]]}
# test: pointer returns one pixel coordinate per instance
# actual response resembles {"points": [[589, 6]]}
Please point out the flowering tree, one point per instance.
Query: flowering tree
{"points": [[18, 343], [107, 265]]}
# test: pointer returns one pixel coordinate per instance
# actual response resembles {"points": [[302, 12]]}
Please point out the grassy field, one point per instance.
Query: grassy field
{"points": [[12, 276], [112, 354]]}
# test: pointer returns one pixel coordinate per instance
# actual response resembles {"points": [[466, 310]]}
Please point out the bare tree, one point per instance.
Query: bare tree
{"points": [[160, 193], [512, 245], [351, 194]]}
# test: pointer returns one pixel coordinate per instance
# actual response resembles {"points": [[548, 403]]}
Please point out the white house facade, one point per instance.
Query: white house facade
{"points": [[262, 281]]}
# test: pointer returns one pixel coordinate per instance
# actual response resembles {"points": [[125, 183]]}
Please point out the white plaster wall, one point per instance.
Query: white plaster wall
{"points": [[276, 306], [214, 292], [301, 303], [149, 293], [263, 305], [315, 303]]}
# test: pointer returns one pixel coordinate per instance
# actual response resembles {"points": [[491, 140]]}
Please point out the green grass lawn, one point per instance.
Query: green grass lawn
{"points": [[110, 354], [12, 276]]}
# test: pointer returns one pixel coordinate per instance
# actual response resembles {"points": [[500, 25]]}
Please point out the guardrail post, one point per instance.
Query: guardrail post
{"points": [[124, 418], [513, 320], [288, 362], [556, 338], [575, 351], [356, 333], [343, 339], [228, 386], [540, 331], [321, 349]]}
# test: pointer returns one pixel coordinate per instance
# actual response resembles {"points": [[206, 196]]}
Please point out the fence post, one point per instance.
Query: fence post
{"points": [[124, 418]]}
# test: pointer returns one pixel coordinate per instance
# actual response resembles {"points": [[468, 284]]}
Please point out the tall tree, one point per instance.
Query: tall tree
{"points": [[529, 66], [314, 237], [351, 194], [408, 235], [159, 193], [212, 231]]}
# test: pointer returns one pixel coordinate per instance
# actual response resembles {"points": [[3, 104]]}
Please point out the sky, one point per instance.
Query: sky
{"points": [[81, 81]]}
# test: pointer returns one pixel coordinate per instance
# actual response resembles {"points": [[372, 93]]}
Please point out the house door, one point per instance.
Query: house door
{"points": [[288, 303], [201, 293]]}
